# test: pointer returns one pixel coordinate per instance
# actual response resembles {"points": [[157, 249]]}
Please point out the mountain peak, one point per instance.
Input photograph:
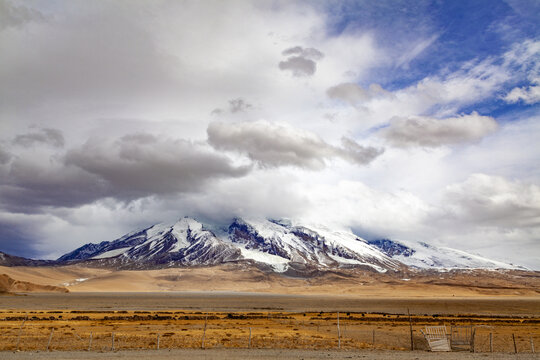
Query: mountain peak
{"points": [[280, 245], [187, 223]]}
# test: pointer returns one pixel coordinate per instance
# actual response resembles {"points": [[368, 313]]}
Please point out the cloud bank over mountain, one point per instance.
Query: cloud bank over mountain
{"points": [[414, 122]]}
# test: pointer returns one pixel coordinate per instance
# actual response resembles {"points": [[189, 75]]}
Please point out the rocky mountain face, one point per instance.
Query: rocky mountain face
{"points": [[10, 260], [181, 244], [273, 245]]}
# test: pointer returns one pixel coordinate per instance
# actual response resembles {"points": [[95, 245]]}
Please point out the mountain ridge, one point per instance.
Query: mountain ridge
{"points": [[273, 245]]}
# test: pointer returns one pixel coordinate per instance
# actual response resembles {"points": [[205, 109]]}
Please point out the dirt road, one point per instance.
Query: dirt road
{"points": [[260, 354]]}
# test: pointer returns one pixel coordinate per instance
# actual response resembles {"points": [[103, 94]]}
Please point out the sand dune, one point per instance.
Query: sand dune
{"points": [[9, 285]]}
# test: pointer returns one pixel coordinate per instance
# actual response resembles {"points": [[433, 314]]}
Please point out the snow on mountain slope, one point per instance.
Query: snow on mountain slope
{"points": [[111, 253], [320, 248], [422, 255], [277, 263], [347, 248], [183, 243]]}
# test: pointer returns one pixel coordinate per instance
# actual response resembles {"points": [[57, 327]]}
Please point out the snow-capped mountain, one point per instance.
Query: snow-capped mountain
{"points": [[422, 255], [304, 246], [278, 246], [183, 243]]}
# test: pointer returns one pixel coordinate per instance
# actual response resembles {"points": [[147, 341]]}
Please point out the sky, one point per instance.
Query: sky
{"points": [[396, 119]]}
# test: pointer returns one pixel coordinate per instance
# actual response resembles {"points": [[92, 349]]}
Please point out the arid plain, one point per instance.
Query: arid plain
{"points": [[227, 307], [239, 278]]}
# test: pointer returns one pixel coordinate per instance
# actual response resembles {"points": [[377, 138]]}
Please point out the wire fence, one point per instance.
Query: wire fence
{"points": [[122, 331]]}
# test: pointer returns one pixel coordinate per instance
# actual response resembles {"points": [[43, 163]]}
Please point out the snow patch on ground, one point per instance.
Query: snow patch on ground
{"points": [[355, 262], [75, 282]]}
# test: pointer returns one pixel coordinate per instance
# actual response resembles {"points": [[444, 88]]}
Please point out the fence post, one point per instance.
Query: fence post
{"points": [[50, 338], [532, 345], [204, 331], [373, 339], [249, 345], [514, 340], [410, 329], [20, 331], [90, 342], [490, 342], [112, 342], [339, 334], [472, 339], [157, 341]]}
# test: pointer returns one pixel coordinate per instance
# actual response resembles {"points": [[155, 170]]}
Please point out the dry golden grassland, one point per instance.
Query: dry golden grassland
{"points": [[71, 330], [173, 305]]}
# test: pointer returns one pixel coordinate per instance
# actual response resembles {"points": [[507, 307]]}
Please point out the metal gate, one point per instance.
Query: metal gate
{"points": [[461, 337]]}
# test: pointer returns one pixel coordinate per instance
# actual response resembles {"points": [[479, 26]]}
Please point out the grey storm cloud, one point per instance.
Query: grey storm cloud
{"points": [[13, 240], [310, 53], [134, 166], [431, 132], [139, 165], [355, 94], [52, 137], [358, 154], [273, 145], [12, 15], [5, 156], [105, 56], [27, 185], [235, 106], [301, 61]]}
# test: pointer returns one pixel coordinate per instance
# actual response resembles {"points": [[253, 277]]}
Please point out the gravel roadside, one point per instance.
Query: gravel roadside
{"points": [[260, 354]]}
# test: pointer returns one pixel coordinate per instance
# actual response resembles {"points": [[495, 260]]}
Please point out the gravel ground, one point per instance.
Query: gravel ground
{"points": [[260, 354], [231, 301]]}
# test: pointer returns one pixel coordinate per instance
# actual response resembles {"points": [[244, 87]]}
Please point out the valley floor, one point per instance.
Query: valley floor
{"points": [[235, 278]]}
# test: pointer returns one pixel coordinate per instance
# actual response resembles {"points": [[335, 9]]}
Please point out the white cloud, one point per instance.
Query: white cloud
{"points": [[490, 215], [439, 96], [494, 201], [353, 204], [444, 94], [527, 94], [430, 132], [419, 47], [483, 214], [356, 95], [107, 70]]}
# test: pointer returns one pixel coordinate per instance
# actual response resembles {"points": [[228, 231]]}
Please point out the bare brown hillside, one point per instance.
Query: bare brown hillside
{"points": [[9, 285], [249, 279]]}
